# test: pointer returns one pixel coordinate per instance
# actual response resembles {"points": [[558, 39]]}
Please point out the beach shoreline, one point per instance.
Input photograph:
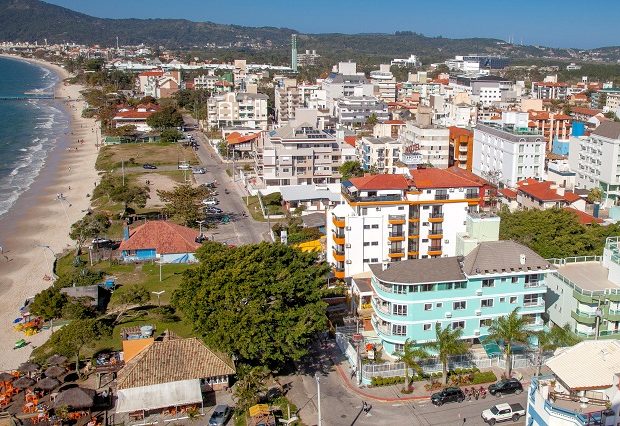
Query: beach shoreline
{"points": [[38, 224]]}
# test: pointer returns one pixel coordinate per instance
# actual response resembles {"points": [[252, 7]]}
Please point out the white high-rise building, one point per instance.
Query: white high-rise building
{"points": [[425, 143], [384, 82]]}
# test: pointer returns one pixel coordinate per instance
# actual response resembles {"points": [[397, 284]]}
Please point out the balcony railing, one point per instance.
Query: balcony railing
{"points": [[441, 196], [385, 308], [436, 215]]}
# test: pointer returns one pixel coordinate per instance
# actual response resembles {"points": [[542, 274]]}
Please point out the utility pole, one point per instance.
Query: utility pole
{"points": [[318, 397], [158, 293], [123, 170]]}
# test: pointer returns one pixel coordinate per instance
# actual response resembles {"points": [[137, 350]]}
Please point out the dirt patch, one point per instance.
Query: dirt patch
{"points": [[156, 181]]}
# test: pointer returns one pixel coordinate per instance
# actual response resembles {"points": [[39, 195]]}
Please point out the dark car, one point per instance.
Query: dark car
{"points": [[448, 395], [506, 386], [149, 166], [213, 209], [220, 415]]}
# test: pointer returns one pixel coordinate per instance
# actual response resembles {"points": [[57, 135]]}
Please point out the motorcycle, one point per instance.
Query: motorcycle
{"points": [[475, 393], [467, 393], [483, 392]]}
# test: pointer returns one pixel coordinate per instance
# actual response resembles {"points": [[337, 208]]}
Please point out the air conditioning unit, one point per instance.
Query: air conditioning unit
{"points": [[448, 314], [348, 228], [348, 245], [348, 262], [479, 292], [478, 312], [446, 241], [451, 190], [476, 332]]}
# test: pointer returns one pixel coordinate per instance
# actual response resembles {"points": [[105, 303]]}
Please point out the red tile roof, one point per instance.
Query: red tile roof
{"points": [[133, 114], [584, 218], [571, 197], [164, 237], [460, 131], [550, 84], [158, 73], [543, 191], [394, 122], [508, 193], [380, 182], [585, 111], [351, 140], [235, 138], [442, 178]]}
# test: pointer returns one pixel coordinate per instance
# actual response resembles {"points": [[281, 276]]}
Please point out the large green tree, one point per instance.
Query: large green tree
{"points": [[126, 298], [511, 330], [259, 302], [350, 169], [183, 203], [90, 226], [448, 342], [125, 192], [411, 355], [166, 117], [48, 303], [549, 340]]}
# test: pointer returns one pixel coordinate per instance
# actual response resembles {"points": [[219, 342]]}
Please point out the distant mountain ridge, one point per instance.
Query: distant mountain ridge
{"points": [[30, 20]]}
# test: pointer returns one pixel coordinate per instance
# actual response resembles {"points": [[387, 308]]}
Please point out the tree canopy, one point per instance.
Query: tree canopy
{"points": [[183, 203], [48, 303], [165, 118], [90, 226], [555, 232], [127, 193], [259, 302], [350, 169]]}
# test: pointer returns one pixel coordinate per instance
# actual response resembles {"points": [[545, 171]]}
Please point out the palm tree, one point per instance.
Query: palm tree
{"points": [[411, 355], [447, 343], [552, 339], [512, 329]]}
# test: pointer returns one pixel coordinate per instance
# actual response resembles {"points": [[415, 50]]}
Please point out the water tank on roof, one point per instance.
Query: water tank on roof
{"points": [[146, 331]]}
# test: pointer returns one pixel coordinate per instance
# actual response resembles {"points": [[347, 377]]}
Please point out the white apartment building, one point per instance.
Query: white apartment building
{"points": [[379, 153], [596, 159], [612, 103], [345, 81], [388, 218], [354, 111], [509, 150], [425, 143], [248, 110], [384, 82], [287, 99], [299, 154]]}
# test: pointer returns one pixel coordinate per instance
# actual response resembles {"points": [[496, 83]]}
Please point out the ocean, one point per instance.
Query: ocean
{"points": [[29, 129]]}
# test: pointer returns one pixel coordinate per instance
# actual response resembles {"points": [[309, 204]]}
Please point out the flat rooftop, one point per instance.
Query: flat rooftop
{"points": [[587, 275]]}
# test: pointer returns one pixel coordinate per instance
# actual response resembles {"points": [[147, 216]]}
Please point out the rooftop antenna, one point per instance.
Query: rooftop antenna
{"points": [[116, 42]]}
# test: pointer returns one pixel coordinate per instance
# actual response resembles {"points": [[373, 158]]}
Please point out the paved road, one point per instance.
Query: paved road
{"points": [[241, 229]]}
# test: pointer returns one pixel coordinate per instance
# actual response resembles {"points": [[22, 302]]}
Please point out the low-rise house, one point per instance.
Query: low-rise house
{"points": [[135, 117], [160, 240], [583, 389], [532, 194], [241, 145], [312, 198], [170, 374]]}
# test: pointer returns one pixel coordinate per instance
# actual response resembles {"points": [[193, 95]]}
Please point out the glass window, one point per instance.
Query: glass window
{"points": [[399, 329], [486, 303], [366, 243], [427, 327], [530, 299], [374, 243], [399, 288], [458, 324], [513, 299], [366, 226], [427, 287], [375, 226], [399, 309], [460, 305], [486, 322], [399, 347], [515, 280], [439, 305], [374, 260], [489, 282], [460, 285], [428, 306]]}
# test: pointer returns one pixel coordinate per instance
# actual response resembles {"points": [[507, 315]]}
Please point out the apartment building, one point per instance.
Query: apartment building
{"points": [[248, 110], [485, 89], [388, 218], [354, 111], [612, 103], [596, 159], [384, 82], [466, 292], [159, 83], [549, 90], [380, 155], [543, 195], [287, 98], [299, 154], [584, 292], [461, 147], [425, 143], [552, 126], [345, 81], [508, 151]]}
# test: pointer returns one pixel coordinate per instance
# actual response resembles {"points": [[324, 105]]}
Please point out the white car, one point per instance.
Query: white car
{"points": [[184, 166], [503, 412], [199, 170], [210, 202]]}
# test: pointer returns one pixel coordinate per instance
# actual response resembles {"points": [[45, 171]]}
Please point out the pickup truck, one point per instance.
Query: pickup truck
{"points": [[503, 412]]}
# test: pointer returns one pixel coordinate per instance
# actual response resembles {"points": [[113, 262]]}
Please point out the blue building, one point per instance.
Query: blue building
{"points": [[160, 240], [466, 292]]}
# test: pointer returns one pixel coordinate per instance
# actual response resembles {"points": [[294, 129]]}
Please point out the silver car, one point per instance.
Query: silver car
{"points": [[220, 415]]}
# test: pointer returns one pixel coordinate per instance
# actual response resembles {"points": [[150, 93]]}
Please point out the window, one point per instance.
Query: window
{"points": [[530, 300], [502, 299], [366, 243], [366, 226], [515, 280], [365, 260], [401, 208], [399, 347], [399, 310], [460, 285], [485, 322], [488, 283], [426, 287], [513, 299], [458, 324], [399, 288], [375, 226], [399, 330], [374, 260], [428, 306], [364, 211], [439, 305], [486, 303], [374, 243], [460, 305], [427, 326]]}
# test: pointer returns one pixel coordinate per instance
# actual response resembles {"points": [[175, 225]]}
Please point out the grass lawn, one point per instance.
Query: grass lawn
{"points": [[255, 210], [110, 157]]}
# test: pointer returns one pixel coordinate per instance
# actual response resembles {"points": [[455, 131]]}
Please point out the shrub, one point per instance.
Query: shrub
{"points": [[484, 377], [386, 381]]}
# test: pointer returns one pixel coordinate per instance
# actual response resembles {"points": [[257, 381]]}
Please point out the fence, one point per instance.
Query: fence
{"points": [[347, 349]]}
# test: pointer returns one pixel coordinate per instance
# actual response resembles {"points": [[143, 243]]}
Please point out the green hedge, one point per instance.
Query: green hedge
{"points": [[484, 377], [386, 381], [463, 371]]}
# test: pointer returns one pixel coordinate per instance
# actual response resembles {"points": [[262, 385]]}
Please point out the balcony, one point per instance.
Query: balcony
{"points": [[612, 315], [381, 307], [442, 196], [414, 219], [584, 317], [435, 234], [435, 217], [471, 195], [394, 254], [371, 199], [339, 222], [339, 273], [434, 251], [413, 253], [338, 256], [338, 238], [396, 236], [396, 220], [381, 328]]}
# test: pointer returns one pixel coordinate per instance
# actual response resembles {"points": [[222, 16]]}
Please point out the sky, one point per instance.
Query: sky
{"points": [[566, 23]]}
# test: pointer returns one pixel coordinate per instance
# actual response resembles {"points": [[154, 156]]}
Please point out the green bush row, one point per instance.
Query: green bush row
{"points": [[386, 381], [463, 371], [484, 377]]}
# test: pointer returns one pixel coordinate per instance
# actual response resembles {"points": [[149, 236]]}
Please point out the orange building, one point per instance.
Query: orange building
{"points": [[552, 126], [461, 147]]}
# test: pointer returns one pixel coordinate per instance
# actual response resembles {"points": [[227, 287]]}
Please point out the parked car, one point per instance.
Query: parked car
{"points": [[149, 166], [199, 170], [220, 415], [183, 166], [450, 394], [506, 386], [100, 241], [213, 209], [502, 413], [210, 202]]}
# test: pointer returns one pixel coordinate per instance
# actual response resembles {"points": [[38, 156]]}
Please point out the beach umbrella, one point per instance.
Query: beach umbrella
{"points": [[76, 398], [6, 377], [23, 382], [47, 384], [56, 360], [54, 371], [28, 367]]}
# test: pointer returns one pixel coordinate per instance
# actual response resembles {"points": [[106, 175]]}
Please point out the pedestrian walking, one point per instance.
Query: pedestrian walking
{"points": [[353, 372]]}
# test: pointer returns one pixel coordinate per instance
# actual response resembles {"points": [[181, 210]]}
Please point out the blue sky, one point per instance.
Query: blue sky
{"points": [[567, 23]]}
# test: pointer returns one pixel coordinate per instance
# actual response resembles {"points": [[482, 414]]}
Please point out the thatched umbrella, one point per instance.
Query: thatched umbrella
{"points": [[23, 382], [47, 384], [6, 377], [54, 371], [56, 360], [28, 367], [76, 398]]}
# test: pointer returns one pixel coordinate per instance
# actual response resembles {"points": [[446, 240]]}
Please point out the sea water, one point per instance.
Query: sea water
{"points": [[29, 128]]}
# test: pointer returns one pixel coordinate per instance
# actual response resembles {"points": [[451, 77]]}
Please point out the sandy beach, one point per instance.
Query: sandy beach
{"points": [[37, 227]]}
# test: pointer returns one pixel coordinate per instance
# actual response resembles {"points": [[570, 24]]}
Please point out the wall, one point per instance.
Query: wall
{"points": [[559, 301]]}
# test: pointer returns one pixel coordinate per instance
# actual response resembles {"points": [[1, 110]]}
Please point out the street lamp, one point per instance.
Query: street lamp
{"points": [[43, 246], [318, 397], [599, 314], [200, 222], [158, 293]]}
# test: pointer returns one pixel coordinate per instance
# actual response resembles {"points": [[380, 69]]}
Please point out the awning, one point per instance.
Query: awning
{"points": [[159, 396]]}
